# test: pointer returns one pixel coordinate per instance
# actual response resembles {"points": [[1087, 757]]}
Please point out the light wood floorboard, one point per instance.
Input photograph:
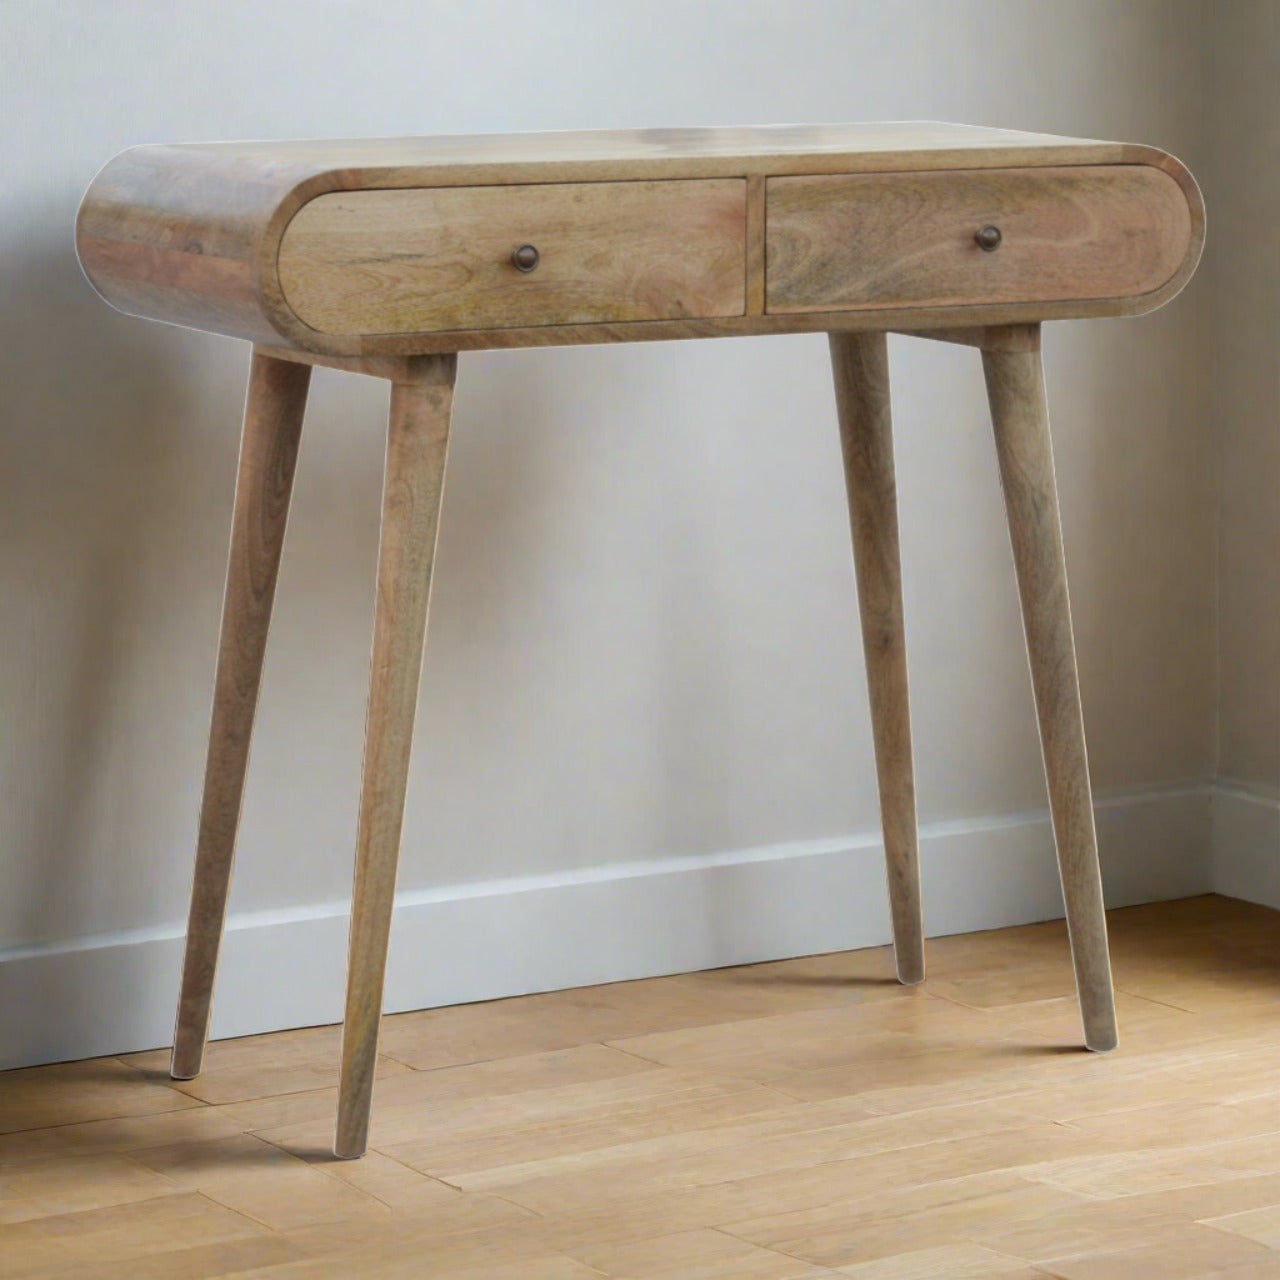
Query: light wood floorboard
{"points": [[781, 1121]]}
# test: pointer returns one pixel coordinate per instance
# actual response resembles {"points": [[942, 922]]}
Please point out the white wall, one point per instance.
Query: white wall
{"points": [[644, 643], [1243, 266]]}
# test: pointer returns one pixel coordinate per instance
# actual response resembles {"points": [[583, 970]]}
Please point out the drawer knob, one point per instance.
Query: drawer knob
{"points": [[525, 258], [988, 239]]}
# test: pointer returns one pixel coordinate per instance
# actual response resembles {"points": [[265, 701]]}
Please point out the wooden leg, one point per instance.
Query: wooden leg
{"points": [[417, 444], [1020, 417], [861, 366], [268, 452]]}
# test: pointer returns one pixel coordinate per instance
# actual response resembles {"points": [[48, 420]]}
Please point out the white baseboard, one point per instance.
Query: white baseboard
{"points": [[1246, 843], [115, 994]]}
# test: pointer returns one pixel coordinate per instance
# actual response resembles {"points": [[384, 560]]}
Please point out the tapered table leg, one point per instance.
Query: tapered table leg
{"points": [[1020, 417], [861, 367], [268, 452], [417, 445]]}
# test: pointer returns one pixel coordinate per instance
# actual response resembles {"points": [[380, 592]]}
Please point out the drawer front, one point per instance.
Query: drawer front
{"points": [[848, 242], [410, 261]]}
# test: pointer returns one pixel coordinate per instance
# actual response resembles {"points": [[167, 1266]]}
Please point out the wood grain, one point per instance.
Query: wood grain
{"points": [[374, 262], [274, 409], [396, 369], [417, 447], [860, 363], [1016, 337], [871, 241], [1020, 419], [755, 245], [191, 234], [976, 1147]]}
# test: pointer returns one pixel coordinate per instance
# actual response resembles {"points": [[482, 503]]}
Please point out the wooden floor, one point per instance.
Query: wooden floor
{"points": [[784, 1121]]}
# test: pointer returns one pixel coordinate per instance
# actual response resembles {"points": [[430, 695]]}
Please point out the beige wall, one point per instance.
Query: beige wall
{"points": [[1243, 262], [644, 641]]}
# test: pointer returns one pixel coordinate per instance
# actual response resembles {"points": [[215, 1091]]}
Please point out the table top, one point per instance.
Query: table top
{"points": [[210, 234], [650, 153]]}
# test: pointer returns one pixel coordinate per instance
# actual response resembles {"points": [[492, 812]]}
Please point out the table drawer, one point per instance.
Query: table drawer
{"points": [[845, 242], [420, 260]]}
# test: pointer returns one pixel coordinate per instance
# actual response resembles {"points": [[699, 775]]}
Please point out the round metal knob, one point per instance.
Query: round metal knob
{"points": [[525, 258], [988, 239]]}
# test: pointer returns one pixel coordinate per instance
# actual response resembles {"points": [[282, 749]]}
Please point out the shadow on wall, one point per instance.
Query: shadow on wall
{"points": [[90, 426], [1136, 470]]}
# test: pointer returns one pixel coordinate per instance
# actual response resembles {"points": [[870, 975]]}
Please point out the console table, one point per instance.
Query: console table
{"points": [[388, 257]]}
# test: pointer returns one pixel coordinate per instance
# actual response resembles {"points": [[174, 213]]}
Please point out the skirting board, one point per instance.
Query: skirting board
{"points": [[1246, 843], [116, 994]]}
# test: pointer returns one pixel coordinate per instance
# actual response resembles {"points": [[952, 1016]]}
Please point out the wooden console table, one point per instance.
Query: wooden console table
{"points": [[388, 257]]}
